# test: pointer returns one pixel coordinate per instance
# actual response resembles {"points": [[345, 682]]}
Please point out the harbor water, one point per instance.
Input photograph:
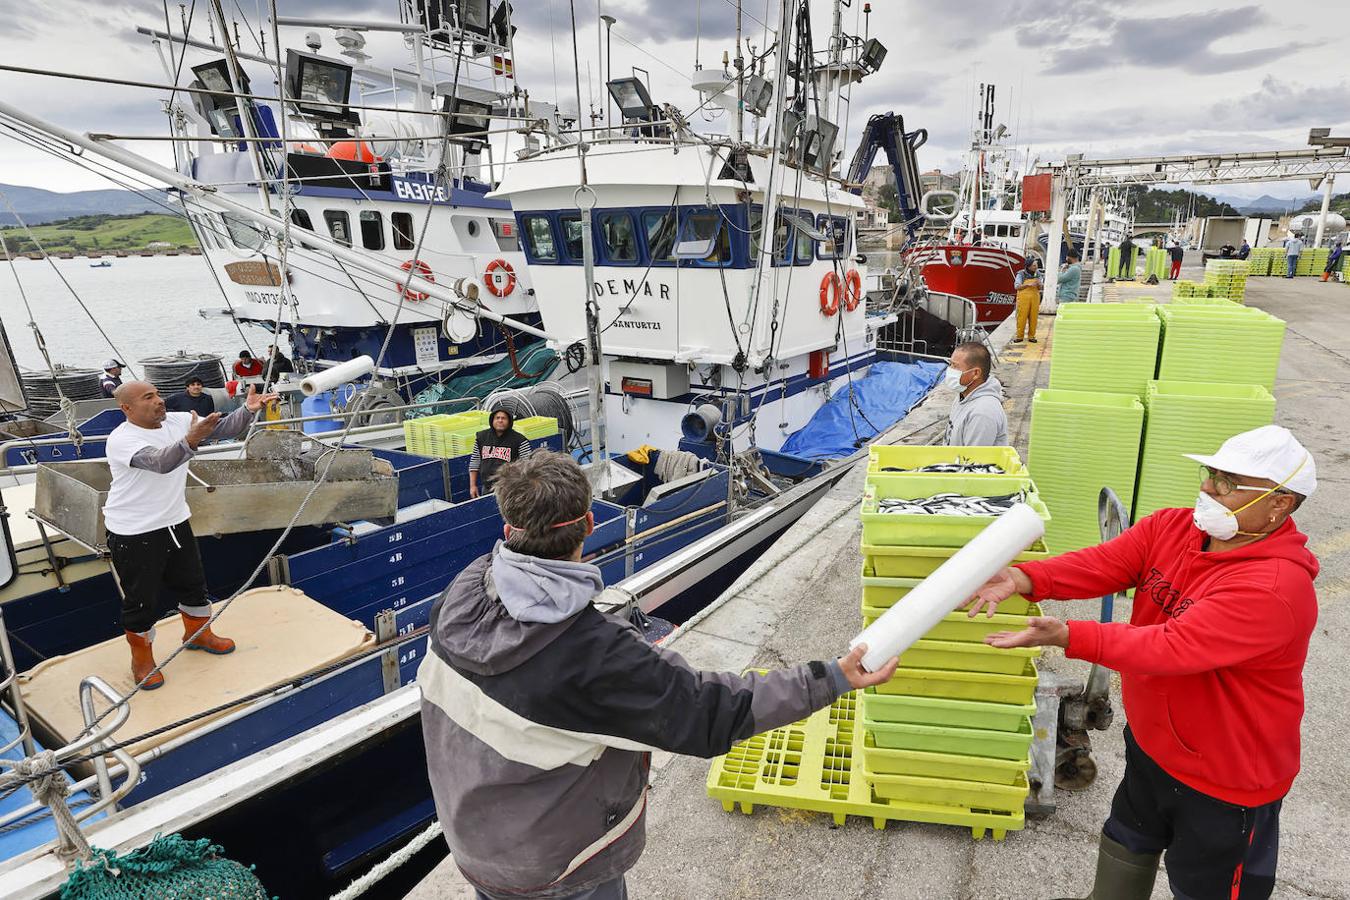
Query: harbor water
{"points": [[147, 305]]}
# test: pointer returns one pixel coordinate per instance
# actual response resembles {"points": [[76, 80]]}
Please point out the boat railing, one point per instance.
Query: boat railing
{"points": [[9, 692]]}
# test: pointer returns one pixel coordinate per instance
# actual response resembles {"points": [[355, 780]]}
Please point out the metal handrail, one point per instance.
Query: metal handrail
{"points": [[107, 794], [16, 696]]}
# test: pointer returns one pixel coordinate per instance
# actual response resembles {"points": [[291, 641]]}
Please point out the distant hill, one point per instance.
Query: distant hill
{"points": [[1264, 204], [102, 233], [37, 206]]}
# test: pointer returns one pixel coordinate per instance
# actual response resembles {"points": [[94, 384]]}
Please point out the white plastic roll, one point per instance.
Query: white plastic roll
{"points": [[340, 374], [955, 582]]}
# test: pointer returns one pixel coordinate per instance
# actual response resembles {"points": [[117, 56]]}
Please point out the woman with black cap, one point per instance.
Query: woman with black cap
{"points": [[493, 448]]}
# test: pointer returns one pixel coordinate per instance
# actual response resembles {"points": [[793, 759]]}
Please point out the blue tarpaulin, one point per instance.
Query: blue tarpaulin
{"points": [[864, 409]]}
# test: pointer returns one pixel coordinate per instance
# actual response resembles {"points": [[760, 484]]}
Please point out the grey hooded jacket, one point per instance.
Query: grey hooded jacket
{"points": [[538, 732], [978, 419]]}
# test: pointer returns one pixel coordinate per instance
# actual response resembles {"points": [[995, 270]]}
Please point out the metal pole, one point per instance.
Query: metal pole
{"points": [[1327, 184], [207, 195], [245, 109], [1056, 237]]}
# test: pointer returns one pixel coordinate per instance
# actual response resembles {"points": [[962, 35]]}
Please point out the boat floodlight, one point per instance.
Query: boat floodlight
{"points": [[758, 94], [215, 76], [631, 96], [319, 87], [468, 119], [873, 53]]}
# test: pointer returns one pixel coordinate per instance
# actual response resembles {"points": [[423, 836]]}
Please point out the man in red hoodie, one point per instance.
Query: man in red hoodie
{"points": [[1211, 669]]}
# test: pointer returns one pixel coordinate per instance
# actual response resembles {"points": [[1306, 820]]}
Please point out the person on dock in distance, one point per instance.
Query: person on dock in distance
{"points": [[153, 551], [494, 447], [1293, 248], [1333, 260], [193, 399], [540, 713], [1211, 669], [1070, 279], [977, 418], [1027, 284], [1177, 254]]}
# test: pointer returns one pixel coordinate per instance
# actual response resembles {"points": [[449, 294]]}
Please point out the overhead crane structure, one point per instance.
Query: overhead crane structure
{"points": [[1319, 164]]}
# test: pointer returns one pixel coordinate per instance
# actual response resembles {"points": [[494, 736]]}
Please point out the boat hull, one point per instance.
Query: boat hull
{"points": [[983, 275]]}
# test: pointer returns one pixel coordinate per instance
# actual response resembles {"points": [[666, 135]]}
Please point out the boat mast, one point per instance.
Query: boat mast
{"points": [[244, 107]]}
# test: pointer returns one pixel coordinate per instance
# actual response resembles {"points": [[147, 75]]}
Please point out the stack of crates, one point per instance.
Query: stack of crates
{"points": [[1190, 417], [1121, 268], [1109, 347], [1082, 441], [1205, 301], [1157, 264], [453, 435], [1266, 261], [1312, 261], [953, 727], [1202, 343], [1227, 278], [1184, 287]]}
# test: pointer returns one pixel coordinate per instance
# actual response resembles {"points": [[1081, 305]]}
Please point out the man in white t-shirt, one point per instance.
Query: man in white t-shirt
{"points": [[154, 553]]}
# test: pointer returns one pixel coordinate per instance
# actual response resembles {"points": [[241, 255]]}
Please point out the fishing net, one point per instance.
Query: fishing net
{"points": [[169, 868]]}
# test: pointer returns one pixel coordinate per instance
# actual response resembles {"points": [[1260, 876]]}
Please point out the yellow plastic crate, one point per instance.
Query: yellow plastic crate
{"points": [[1008, 798], [967, 656], [904, 456], [921, 763], [920, 562], [995, 688]]}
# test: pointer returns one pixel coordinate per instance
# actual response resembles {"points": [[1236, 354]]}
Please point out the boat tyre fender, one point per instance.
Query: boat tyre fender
{"points": [[420, 269], [852, 290], [831, 286], [490, 278]]}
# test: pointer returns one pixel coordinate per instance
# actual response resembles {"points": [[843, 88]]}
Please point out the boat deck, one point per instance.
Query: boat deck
{"points": [[793, 606]]}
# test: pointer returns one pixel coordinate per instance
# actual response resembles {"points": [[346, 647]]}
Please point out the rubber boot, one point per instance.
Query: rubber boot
{"points": [[1122, 875], [211, 643], [143, 660]]}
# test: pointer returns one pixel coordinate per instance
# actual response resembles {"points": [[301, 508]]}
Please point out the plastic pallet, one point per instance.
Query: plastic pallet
{"points": [[817, 765]]}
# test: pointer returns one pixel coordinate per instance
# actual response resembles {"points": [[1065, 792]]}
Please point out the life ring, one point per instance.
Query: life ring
{"points": [[852, 290], [420, 269], [830, 289], [490, 278]]}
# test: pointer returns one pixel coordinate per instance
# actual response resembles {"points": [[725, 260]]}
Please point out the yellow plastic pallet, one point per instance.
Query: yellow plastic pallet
{"points": [[816, 765]]}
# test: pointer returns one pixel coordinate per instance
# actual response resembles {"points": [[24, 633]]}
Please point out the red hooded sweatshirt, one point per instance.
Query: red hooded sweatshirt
{"points": [[1211, 663]]}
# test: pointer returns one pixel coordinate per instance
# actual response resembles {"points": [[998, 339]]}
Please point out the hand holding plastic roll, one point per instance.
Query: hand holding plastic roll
{"points": [[338, 375], [955, 582]]}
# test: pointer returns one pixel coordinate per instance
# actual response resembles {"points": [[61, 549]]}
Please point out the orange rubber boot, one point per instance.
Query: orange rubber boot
{"points": [[143, 660], [211, 643]]}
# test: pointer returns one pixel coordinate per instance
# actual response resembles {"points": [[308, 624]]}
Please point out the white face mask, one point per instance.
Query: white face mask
{"points": [[952, 378], [1214, 519]]}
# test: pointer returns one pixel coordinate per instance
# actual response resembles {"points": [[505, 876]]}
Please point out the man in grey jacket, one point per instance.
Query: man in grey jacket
{"points": [[977, 417], [540, 712]]}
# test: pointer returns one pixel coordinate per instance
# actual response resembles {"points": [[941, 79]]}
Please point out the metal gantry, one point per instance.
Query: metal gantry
{"points": [[1313, 164]]}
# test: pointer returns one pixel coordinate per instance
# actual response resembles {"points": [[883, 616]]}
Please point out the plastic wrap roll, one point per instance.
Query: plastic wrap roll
{"points": [[955, 582], [340, 374]]}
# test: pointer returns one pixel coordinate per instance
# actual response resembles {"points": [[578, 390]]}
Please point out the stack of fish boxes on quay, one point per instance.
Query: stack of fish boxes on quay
{"points": [[1312, 261], [947, 740], [1227, 278], [1266, 261]]}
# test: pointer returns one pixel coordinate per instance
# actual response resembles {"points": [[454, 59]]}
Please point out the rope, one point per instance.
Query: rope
{"points": [[396, 859], [47, 781]]}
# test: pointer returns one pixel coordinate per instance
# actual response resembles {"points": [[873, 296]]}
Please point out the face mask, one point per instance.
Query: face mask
{"points": [[1214, 519], [952, 378]]}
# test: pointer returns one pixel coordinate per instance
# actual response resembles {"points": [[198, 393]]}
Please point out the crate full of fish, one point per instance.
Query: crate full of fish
{"points": [[905, 459], [939, 511]]}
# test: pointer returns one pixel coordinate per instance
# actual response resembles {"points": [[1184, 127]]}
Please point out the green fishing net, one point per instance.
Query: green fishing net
{"points": [[169, 868]]}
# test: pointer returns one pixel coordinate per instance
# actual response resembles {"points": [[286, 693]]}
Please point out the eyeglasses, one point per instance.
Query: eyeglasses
{"points": [[1225, 485]]}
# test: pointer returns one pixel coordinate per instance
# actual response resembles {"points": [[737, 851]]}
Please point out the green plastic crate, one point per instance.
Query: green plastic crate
{"points": [[920, 562], [905, 456], [955, 713], [960, 626], [883, 593], [881, 761], [935, 531], [964, 685], [943, 739], [965, 656], [976, 794]]}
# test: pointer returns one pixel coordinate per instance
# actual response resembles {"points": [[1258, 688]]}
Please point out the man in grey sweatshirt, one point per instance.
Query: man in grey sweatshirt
{"points": [[977, 417], [540, 713]]}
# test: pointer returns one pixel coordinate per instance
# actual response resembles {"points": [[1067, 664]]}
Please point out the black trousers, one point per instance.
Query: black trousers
{"points": [[158, 570], [1215, 850]]}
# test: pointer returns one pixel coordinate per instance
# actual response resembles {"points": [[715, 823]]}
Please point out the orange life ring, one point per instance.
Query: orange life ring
{"points": [[830, 289], [490, 278], [852, 290], [420, 269], [354, 151]]}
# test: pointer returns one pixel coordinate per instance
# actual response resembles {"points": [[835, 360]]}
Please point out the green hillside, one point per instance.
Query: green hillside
{"points": [[102, 233]]}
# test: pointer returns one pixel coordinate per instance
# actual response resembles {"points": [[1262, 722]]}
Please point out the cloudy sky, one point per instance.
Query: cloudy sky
{"points": [[1151, 76]]}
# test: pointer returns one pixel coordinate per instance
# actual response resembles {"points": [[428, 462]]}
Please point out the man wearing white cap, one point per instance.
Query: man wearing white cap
{"points": [[112, 377], [1211, 669]]}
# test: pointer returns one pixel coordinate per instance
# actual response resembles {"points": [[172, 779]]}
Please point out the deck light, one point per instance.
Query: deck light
{"points": [[873, 53], [315, 83], [631, 96]]}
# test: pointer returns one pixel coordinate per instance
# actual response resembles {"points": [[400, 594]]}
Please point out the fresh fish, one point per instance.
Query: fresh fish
{"points": [[950, 504], [960, 466]]}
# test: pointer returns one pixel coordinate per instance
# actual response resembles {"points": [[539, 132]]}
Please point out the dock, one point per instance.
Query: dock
{"points": [[800, 602]]}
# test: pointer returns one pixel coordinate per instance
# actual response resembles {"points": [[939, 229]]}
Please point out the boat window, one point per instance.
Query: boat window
{"points": [[300, 218], [539, 239], [244, 235], [372, 230], [660, 233], [402, 225], [756, 220], [782, 245], [806, 244], [835, 244], [618, 237], [1014, 231], [339, 226], [704, 238], [991, 231], [571, 236]]}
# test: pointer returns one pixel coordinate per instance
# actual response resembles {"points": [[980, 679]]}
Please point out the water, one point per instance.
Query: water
{"points": [[147, 305]]}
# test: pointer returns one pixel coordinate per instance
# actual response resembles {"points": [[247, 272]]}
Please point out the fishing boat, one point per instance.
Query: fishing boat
{"points": [[101, 264], [707, 287]]}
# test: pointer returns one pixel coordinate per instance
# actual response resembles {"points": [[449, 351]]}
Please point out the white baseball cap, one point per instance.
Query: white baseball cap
{"points": [[1266, 452]]}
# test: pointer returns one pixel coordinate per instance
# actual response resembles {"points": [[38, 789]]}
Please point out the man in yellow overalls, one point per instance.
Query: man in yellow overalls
{"points": [[1028, 286]]}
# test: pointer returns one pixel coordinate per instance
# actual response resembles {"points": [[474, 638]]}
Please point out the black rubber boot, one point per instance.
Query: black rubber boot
{"points": [[1122, 875]]}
